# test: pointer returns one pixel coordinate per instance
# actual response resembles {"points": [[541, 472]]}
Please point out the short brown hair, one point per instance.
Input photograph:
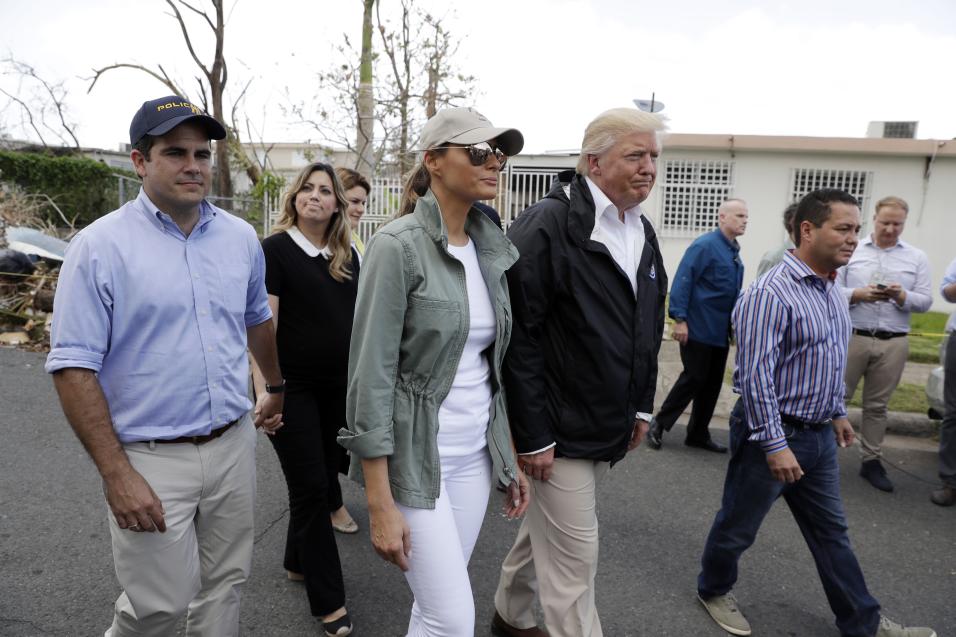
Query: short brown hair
{"points": [[351, 178]]}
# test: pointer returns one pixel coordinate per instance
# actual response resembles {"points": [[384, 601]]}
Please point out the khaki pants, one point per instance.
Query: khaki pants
{"points": [[880, 363], [556, 554], [198, 566]]}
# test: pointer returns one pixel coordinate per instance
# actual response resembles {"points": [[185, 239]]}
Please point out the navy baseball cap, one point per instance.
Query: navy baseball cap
{"points": [[158, 117]]}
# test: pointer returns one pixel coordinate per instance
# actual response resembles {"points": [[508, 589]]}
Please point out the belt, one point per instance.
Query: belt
{"points": [[198, 440], [880, 334], [797, 423]]}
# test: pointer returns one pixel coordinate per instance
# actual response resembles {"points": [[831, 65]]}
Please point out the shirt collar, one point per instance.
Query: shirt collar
{"points": [[161, 219], [307, 246], [800, 270], [868, 240], [603, 205]]}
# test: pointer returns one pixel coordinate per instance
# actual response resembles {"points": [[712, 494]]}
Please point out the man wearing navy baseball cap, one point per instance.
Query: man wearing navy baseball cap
{"points": [[156, 305]]}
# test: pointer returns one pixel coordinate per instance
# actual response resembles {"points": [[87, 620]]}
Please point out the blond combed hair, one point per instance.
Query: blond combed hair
{"points": [[338, 235], [607, 128]]}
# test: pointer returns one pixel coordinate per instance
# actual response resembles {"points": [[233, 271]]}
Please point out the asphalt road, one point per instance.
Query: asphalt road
{"points": [[56, 575]]}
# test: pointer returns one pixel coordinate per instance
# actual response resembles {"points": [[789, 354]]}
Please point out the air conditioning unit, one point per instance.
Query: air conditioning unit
{"points": [[894, 130]]}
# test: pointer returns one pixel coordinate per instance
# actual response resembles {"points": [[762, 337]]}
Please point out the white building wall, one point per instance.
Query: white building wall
{"points": [[764, 180]]}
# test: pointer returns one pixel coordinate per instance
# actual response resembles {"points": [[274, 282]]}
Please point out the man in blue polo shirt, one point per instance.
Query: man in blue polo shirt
{"points": [[155, 307], [705, 288]]}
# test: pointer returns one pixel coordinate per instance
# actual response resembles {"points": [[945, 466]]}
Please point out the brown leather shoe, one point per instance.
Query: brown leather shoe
{"points": [[945, 497], [501, 629]]}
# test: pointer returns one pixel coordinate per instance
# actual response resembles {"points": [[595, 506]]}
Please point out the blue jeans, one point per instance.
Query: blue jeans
{"points": [[749, 492]]}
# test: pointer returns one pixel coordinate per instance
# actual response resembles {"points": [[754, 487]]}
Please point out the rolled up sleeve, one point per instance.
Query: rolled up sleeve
{"points": [[257, 301], [374, 349], [82, 310]]}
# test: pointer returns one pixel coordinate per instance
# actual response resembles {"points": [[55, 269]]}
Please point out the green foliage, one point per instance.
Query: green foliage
{"points": [[81, 187], [269, 184]]}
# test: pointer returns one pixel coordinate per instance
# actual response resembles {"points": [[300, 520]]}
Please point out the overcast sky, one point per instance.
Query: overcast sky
{"points": [[810, 67]]}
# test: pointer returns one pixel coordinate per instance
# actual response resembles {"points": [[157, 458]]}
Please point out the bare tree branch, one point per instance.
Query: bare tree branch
{"points": [[189, 42], [26, 110], [139, 67]]}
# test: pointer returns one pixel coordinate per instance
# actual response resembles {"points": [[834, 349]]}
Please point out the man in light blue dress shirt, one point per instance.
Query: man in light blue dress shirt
{"points": [[885, 281], [946, 495], [155, 307]]}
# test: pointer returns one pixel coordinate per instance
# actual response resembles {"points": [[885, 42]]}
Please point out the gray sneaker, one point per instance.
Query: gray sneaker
{"points": [[723, 609], [889, 628]]}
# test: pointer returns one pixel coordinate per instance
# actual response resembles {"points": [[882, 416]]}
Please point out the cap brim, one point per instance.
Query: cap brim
{"points": [[510, 140], [212, 126]]}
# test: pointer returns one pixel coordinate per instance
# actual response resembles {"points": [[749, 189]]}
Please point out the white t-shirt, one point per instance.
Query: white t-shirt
{"points": [[463, 415]]}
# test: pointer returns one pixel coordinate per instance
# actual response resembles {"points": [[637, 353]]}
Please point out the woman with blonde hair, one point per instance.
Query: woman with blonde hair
{"points": [[312, 281], [427, 425]]}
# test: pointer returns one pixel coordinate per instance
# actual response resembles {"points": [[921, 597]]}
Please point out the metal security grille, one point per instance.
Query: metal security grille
{"points": [[692, 193], [855, 182], [520, 187]]}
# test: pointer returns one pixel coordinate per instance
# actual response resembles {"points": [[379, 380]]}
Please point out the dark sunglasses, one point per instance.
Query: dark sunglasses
{"points": [[478, 154]]}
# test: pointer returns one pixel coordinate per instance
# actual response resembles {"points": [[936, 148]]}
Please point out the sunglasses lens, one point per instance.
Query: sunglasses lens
{"points": [[479, 155]]}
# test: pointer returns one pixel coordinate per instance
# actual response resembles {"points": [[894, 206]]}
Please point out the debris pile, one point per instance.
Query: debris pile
{"points": [[30, 256]]}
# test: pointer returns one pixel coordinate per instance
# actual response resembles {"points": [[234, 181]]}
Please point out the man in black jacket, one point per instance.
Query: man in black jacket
{"points": [[588, 303]]}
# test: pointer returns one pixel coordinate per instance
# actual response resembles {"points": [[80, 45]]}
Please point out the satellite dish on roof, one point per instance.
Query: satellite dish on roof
{"points": [[650, 106]]}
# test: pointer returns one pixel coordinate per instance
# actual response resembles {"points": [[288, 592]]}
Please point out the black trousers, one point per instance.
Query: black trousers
{"points": [[700, 382], [309, 455]]}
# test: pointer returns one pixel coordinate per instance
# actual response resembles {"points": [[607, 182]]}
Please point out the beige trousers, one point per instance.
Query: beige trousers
{"points": [[556, 554], [198, 566], [880, 363]]}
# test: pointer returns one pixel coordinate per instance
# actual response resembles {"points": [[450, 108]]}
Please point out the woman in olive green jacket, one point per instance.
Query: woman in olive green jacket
{"points": [[427, 425]]}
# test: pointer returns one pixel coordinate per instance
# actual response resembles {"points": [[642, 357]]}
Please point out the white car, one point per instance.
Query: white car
{"points": [[934, 385]]}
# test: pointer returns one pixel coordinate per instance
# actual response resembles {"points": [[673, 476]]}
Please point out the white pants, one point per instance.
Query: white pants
{"points": [[442, 540], [198, 566]]}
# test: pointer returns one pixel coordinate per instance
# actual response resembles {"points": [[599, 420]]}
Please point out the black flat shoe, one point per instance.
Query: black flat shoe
{"points": [[339, 627], [708, 445]]}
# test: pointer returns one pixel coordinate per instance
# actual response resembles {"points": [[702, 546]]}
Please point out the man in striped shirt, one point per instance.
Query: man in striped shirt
{"points": [[792, 328]]}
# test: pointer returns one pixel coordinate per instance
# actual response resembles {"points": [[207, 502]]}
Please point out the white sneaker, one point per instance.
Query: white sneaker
{"points": [[723, 609], [889, 628]]}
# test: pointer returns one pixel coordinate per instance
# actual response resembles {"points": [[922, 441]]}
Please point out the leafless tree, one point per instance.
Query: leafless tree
{"points": [[416, 76], [40, 104], [211, 81]]}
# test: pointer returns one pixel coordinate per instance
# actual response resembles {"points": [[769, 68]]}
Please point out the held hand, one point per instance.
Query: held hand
{"points": [[784, 466], [391, 537], [680, 332], [268, 412], [844, 432], [133, 502], [537, 465], [637, 436], [518, 497]]}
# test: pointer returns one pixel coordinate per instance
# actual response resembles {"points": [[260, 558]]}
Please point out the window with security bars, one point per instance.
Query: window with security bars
{"points": [[692, 193], [855, 182]]}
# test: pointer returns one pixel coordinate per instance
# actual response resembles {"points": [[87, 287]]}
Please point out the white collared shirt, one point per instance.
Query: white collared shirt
{"points": [[903, 264], [307, 246], [623, 239]]}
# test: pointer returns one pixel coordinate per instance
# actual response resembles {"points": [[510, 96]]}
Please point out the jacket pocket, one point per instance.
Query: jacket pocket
{"points": [[432, 327]]}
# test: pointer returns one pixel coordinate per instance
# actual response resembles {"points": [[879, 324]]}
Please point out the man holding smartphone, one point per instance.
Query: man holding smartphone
{"points": [[885, 280]]}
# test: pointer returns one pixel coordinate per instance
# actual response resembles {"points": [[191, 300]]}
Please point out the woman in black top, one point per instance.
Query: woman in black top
{"points": [[312, 278]]}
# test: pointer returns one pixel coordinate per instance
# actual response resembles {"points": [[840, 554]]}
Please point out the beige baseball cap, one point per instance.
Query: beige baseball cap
{"points": [[467, 126]]}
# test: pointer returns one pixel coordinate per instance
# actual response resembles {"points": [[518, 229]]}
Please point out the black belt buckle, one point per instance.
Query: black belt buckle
{"points": [[798, 423]]}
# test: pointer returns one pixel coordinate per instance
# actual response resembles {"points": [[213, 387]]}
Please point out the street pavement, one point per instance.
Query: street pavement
{"points": [[56, 575]]}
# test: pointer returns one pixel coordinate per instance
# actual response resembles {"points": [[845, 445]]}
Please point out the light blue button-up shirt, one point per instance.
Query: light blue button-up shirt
{"points": [[162, 317]]}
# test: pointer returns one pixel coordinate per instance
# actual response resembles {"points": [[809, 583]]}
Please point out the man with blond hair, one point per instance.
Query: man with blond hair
{"points": [[885, 281], [588, 302]]}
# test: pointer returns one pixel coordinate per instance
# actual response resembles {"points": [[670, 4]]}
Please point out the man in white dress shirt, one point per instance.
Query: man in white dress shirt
{"points": [[885, 280]]}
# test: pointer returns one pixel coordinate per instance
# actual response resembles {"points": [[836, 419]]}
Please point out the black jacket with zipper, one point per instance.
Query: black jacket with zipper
{"points": [[583, 355]]}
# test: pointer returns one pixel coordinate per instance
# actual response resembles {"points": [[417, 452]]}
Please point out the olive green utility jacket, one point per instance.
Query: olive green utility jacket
{"points": [[411, 323]]}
